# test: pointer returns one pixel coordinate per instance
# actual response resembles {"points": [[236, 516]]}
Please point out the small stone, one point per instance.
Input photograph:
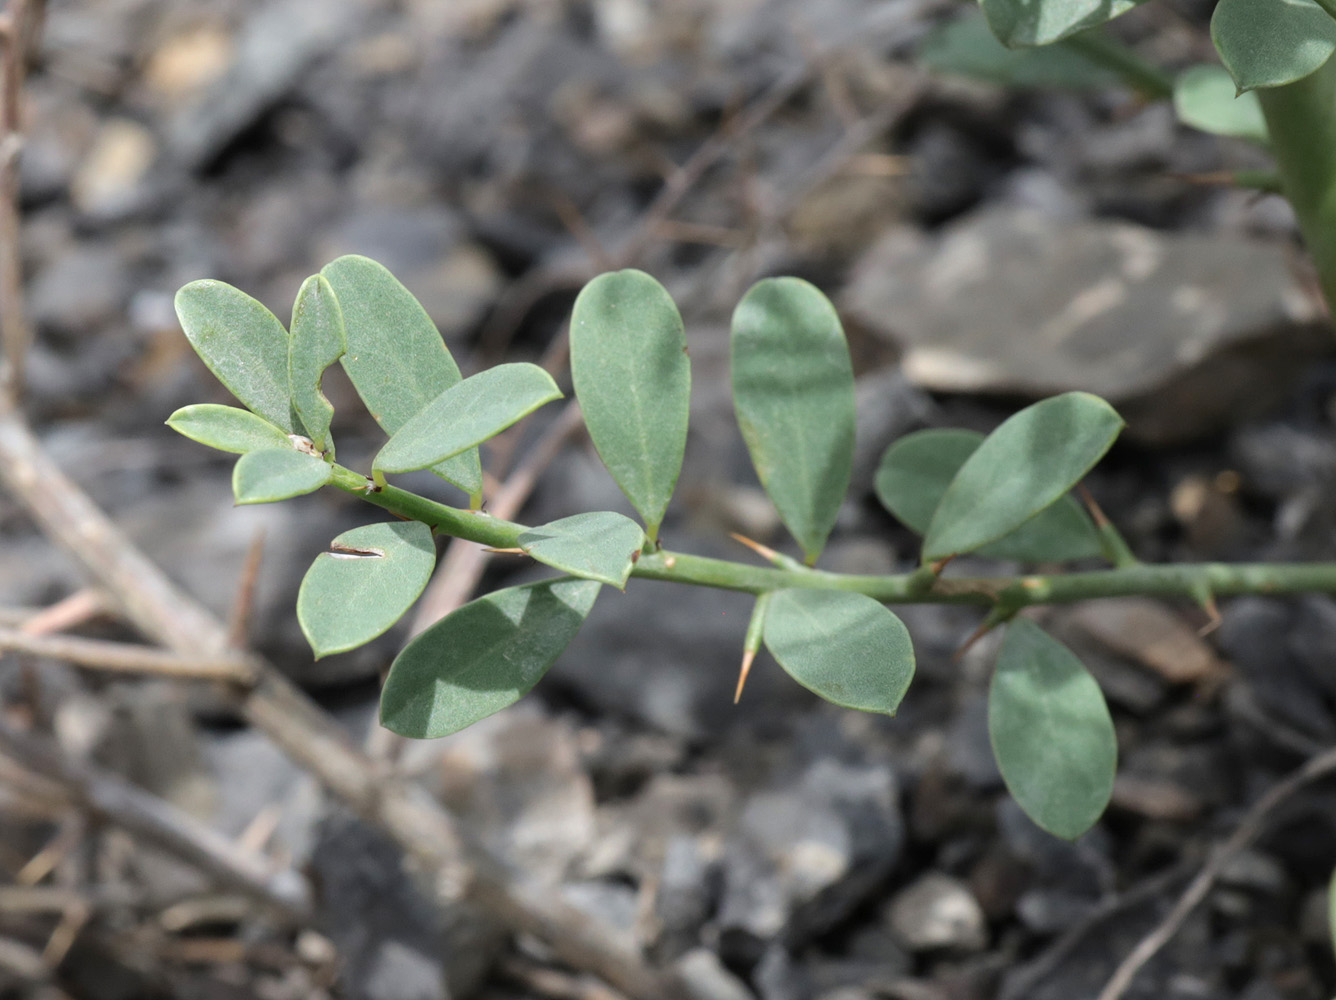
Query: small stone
{"points": [[79, 291], [706, 978], [1180, 332], [938, 911], [109, 180], [188, 62], [1149, 633]]}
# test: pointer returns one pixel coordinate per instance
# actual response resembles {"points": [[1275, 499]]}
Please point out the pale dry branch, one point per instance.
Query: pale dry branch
{"points": [[1247, 831], [124, 657], [421, 827], [148, 817]]}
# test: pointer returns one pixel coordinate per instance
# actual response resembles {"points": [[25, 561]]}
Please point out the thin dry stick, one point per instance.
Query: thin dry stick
{"points": [[125, 657], [311, 738], [17, 26], [74, 610], [1247, 831], [148, 817]]}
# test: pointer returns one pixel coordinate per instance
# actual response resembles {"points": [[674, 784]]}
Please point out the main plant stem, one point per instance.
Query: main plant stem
{"points": [[1301, 118], [1193, 581]]}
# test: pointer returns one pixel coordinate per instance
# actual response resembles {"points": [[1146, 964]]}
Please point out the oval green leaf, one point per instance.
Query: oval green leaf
{"points": [[1024, 466], [968, 47], [316, 342], [917, 469], [483, 657], [243, 344], [793, 392], [277, 474], [1205, 98], [1269, 43], [396, 358], [1051, 732], [227, 428], [632, 377], [364, 584], [845, 647], [466, 415], [1040, 22], [598, 546]]}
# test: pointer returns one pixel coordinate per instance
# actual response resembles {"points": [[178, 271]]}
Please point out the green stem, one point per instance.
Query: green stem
{"points": [[1301, 118], [1183, 580], [1150, 81]]}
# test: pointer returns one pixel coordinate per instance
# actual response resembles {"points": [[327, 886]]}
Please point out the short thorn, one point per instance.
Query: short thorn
{"points": [[941, 564], [506, 552], [1096, 512], [985, 626], [764, 551], [747, 657], [1213, 617]]}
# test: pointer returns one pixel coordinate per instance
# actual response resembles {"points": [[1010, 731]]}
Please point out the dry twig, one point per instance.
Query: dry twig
{"points": [[148, 817], [125, 657], [1247, 831]]}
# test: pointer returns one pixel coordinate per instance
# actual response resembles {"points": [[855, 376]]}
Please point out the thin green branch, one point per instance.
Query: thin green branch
{"points": [[1187, 581]]}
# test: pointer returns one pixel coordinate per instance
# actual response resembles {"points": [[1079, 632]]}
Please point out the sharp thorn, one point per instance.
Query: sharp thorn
{"points": [[747, 657]]}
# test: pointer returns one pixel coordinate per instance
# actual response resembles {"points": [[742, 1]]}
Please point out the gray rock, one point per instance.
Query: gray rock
{"points": [[80, 291], [778, 976], [686, 892], [706, 978], [1183, 333], [808, 852], [275, 48], [390, 932], [936, 912]]}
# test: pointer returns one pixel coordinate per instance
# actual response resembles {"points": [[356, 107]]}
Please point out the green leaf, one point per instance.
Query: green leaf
{"points": [[364, 584], [483, 657], [600, 546], [793, 391], [917, 469], [243, 344], [845, 647], [1205, 98], [1041, 22], [968, 47], [1051, 732], [1025, 465], [1268, 43], [227, 428], [277, 474], [466, 415], [317, 341], [396, 358], [1331, 909], [633, 380]]}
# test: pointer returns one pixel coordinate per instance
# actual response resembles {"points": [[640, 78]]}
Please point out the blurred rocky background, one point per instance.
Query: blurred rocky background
{"points": [[986, 246]]}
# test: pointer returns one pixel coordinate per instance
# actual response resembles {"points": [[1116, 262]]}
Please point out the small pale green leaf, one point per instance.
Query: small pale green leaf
{"points": [[793, 392], [364, 584], [467, 414], [227, 428], [396, 358], [243, 344], [483, 657], [1051, 732], [316, 342], [845, 647], [1269, 43], [633, 380], [1205, 98], [1024, 466], [598, 546], [916, 470], [1041, 22], [968, 47], [277, 474], [1331, 909]]}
